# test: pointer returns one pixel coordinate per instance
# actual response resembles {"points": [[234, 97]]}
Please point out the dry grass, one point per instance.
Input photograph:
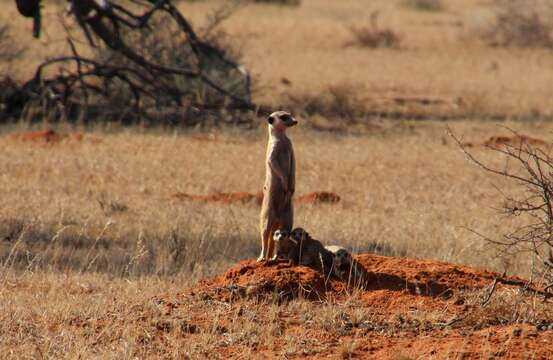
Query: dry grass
{"points": [[68, 316], [521, 24], [108, 207], [339, 102], [9, 51], [280, 2], [374, 36], [424, 5]]}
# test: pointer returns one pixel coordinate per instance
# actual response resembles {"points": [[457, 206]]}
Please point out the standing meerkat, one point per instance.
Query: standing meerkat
{"points": [[276, 210]]}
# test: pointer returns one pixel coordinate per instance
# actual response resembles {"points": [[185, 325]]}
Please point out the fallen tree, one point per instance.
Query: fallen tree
{"points": [[146, 63]]}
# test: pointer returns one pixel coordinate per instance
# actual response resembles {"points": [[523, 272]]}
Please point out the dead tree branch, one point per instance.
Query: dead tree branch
{"points": [[532, 169], [148, 60]]}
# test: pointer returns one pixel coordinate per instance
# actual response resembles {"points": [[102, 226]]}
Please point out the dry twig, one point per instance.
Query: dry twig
{"points": [[532, 168]]}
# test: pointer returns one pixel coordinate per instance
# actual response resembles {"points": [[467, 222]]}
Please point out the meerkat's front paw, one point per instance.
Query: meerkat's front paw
{"points": [[272, 260]]}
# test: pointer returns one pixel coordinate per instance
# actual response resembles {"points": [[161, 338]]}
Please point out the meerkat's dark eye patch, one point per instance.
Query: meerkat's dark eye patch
{"points": [[270, 120], [285, 117]]}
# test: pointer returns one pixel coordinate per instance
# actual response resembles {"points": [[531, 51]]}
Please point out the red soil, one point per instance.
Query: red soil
{"points": [[318, 197], [50, 136], [515, 140], [47, 136], [225, 198], [403, 275], [410, 309], [398, 288]]}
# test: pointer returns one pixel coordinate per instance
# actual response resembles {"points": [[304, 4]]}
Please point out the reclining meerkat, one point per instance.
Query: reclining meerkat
{"points": [[342, 261], [300, 248], [276, 209], [304, 250], [346, 268]]}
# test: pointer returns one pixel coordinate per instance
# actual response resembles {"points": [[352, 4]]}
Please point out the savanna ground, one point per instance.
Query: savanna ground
{"points": [[98, 256]]}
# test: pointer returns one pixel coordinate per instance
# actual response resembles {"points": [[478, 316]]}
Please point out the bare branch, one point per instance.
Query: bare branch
{"points": [[148, 59], [533, 173]]}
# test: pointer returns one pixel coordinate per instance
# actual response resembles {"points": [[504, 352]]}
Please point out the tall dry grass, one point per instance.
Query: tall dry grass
{"points": [[106, 206]]}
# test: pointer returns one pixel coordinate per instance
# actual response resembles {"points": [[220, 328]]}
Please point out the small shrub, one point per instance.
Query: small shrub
{"points": [[172, 48], [424, 5], [280, 2], [373, 36], [338, 101], [520, 24], [9, 48]]}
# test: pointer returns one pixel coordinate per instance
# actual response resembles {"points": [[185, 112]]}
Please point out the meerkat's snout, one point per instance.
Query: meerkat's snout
{"points": [[289, 120]]}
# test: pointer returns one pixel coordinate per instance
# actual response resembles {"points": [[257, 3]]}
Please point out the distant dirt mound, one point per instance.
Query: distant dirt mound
{"points": [[515, 140], [50, 136], [405, 276], [225, 198], [317, 197]]}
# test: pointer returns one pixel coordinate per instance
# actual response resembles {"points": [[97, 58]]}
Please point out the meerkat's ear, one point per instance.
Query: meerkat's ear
{"points": [[270, 120]]}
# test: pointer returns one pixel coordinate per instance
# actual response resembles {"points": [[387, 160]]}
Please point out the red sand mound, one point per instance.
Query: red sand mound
{"points": [[417, 308], [318, 197], [50, 136], [43, 135], [401, 275], [516, 140], [225, 198]]}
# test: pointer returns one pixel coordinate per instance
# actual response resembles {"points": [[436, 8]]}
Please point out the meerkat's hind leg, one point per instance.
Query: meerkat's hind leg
{"points": [[271, 255], [265, 235], [271, 246]]}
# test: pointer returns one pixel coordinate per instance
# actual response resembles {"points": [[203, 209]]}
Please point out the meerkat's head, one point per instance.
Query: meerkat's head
{"points": [[280, 235], [299, 234], [280, 120], [283, 242], [342, 257]]}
